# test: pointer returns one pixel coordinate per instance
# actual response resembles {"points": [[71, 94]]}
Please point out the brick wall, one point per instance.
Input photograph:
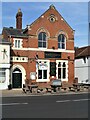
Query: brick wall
{"points": [[52, 30]]}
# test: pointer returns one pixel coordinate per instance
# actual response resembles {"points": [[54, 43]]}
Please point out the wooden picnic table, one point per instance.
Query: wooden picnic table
{"points": [[32, 87], [76, 86]]}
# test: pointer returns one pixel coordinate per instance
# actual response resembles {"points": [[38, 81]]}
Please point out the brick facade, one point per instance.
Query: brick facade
{"points": [[32, 58]]}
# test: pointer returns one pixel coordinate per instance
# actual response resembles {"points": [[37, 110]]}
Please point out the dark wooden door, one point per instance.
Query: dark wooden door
{"points": [[17, 80]]}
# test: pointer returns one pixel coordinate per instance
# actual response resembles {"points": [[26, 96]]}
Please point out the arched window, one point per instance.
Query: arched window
{"points": [[61, 41], [42, 40]]}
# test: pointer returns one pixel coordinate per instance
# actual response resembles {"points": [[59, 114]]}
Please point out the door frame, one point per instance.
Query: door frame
{"points": [[19, 66], [16, 72]]}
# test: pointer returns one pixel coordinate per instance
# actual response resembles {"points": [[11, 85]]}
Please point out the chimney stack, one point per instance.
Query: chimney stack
{"points": [[19, 19]]}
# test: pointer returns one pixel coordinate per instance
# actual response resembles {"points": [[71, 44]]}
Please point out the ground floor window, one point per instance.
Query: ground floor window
{"points": [[2, 75], [42, 74], [42, 70], [62, 70]]}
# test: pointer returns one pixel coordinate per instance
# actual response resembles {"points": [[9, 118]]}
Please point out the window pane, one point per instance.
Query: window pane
{"points": [[40, 36], [64, 73], [2, 69], [63, 45], [2, 75], [15, 43], [18, 43], [59, 38], [39, 44], [44, 44], [58, 45], [59, 73], [59, 64], [39, 74], [63, 38], [64, 65], [44, 74], [2, 79], [44, 36]]}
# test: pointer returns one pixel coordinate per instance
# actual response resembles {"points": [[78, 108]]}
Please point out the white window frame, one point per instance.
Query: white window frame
{"points": [[18, 45], [62, 61], [48, 70], [62, 43], [42, 40]]}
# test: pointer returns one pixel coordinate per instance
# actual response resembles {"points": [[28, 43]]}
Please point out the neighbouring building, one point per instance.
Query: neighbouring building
{"points": [[4, 63], [43, 51], [82, 64]]}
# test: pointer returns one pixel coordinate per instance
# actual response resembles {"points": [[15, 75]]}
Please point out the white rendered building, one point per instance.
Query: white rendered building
{"points": [[82, 64], [4, 64]]}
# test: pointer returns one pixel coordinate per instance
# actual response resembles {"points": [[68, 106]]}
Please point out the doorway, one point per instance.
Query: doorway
{"points": [[17, 78]]}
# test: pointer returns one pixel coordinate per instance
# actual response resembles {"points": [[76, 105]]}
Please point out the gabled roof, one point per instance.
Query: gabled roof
{"points": [[14, 32], [51, 7], [17, 33], [82, 52]]}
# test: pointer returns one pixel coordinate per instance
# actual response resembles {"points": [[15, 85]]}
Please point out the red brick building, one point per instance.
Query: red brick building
{"points": [[44, 50]]}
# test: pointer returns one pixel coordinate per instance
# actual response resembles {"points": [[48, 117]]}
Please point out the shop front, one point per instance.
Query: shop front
{"points": [[47, 70]]}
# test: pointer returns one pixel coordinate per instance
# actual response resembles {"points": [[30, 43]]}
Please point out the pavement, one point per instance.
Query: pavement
{"points": [[19, 93]]}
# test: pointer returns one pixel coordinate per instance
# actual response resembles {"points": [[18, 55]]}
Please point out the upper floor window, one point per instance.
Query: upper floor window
{"points": [[17, 43], [61, 41], [42, 40]]}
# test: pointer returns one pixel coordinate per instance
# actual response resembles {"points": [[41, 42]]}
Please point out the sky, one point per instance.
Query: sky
{"points": [[75, 13]]}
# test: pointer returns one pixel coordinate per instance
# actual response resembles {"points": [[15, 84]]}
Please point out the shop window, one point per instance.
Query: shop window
{"points": [[42, 74], [61, 41], [2, 75], [61, 70], [42, 70], [42, 40]]}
